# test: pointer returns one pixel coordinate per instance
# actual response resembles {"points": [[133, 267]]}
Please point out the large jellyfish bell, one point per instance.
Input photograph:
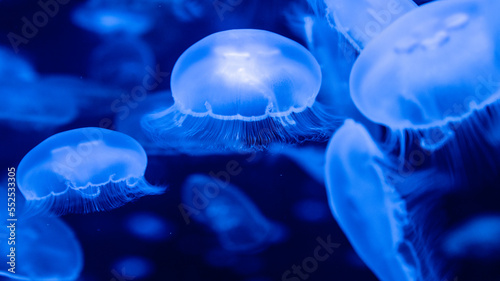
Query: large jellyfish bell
{"points": [[432, 68], [240, 89], [83, 170]]}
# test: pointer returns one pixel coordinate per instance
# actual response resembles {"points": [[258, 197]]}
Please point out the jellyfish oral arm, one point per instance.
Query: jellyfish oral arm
{"points": [[362, 20], [369, 211]]}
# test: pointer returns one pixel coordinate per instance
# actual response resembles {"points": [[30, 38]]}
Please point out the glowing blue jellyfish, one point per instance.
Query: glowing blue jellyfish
{"points": [[242, 89], [476, 238], [361, 21], [83, 170], [310, 158], [237, 222], [115, 17], [45, 249], [127, 62], [370, 212], [132, 267], [432, 70], [149, 226], [36, 105], [13, 67], [188, 11], [334, 54], [92, 98]]}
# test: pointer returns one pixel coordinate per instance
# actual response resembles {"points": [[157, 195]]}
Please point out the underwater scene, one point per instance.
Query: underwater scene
{"points": [[250, 140]]}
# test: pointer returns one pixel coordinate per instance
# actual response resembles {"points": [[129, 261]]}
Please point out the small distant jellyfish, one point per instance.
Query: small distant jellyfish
{"points": [[149, 226], [477, 238], [433, 70], [14, 67], [132, 267], [92, 98], [45, 249], [115, 17], [242, 89], [310, 158], [238, 223], [83, 170], [371, 212], [127, 63], [188, 11]]}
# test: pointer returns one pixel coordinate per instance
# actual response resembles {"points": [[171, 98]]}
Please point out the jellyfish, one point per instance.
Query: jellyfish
{"points": [[361, 21], [149, 226], [45, 249], [310, 158], [83, 170], [36, 105], [92, 98], [132, 267], [188, 11], [476, 238], [239, 225], [433, 73], [124, 62], [15, 67], [108, 17], [334, 54], [370, 211], [242, 89]]}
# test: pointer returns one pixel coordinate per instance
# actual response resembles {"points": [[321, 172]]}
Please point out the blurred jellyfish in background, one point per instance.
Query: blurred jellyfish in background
{"points": [[239, 90], [149, 226], [334, 54], [188, 10], [361, 21], [310, 158], [45, 249], [36, 105], [477, 238], [14, 67], [111, 17], [83, 170], [235, 219], [92, 98], [133, 267], [128, 119], [123, 62], [370, 212]]}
